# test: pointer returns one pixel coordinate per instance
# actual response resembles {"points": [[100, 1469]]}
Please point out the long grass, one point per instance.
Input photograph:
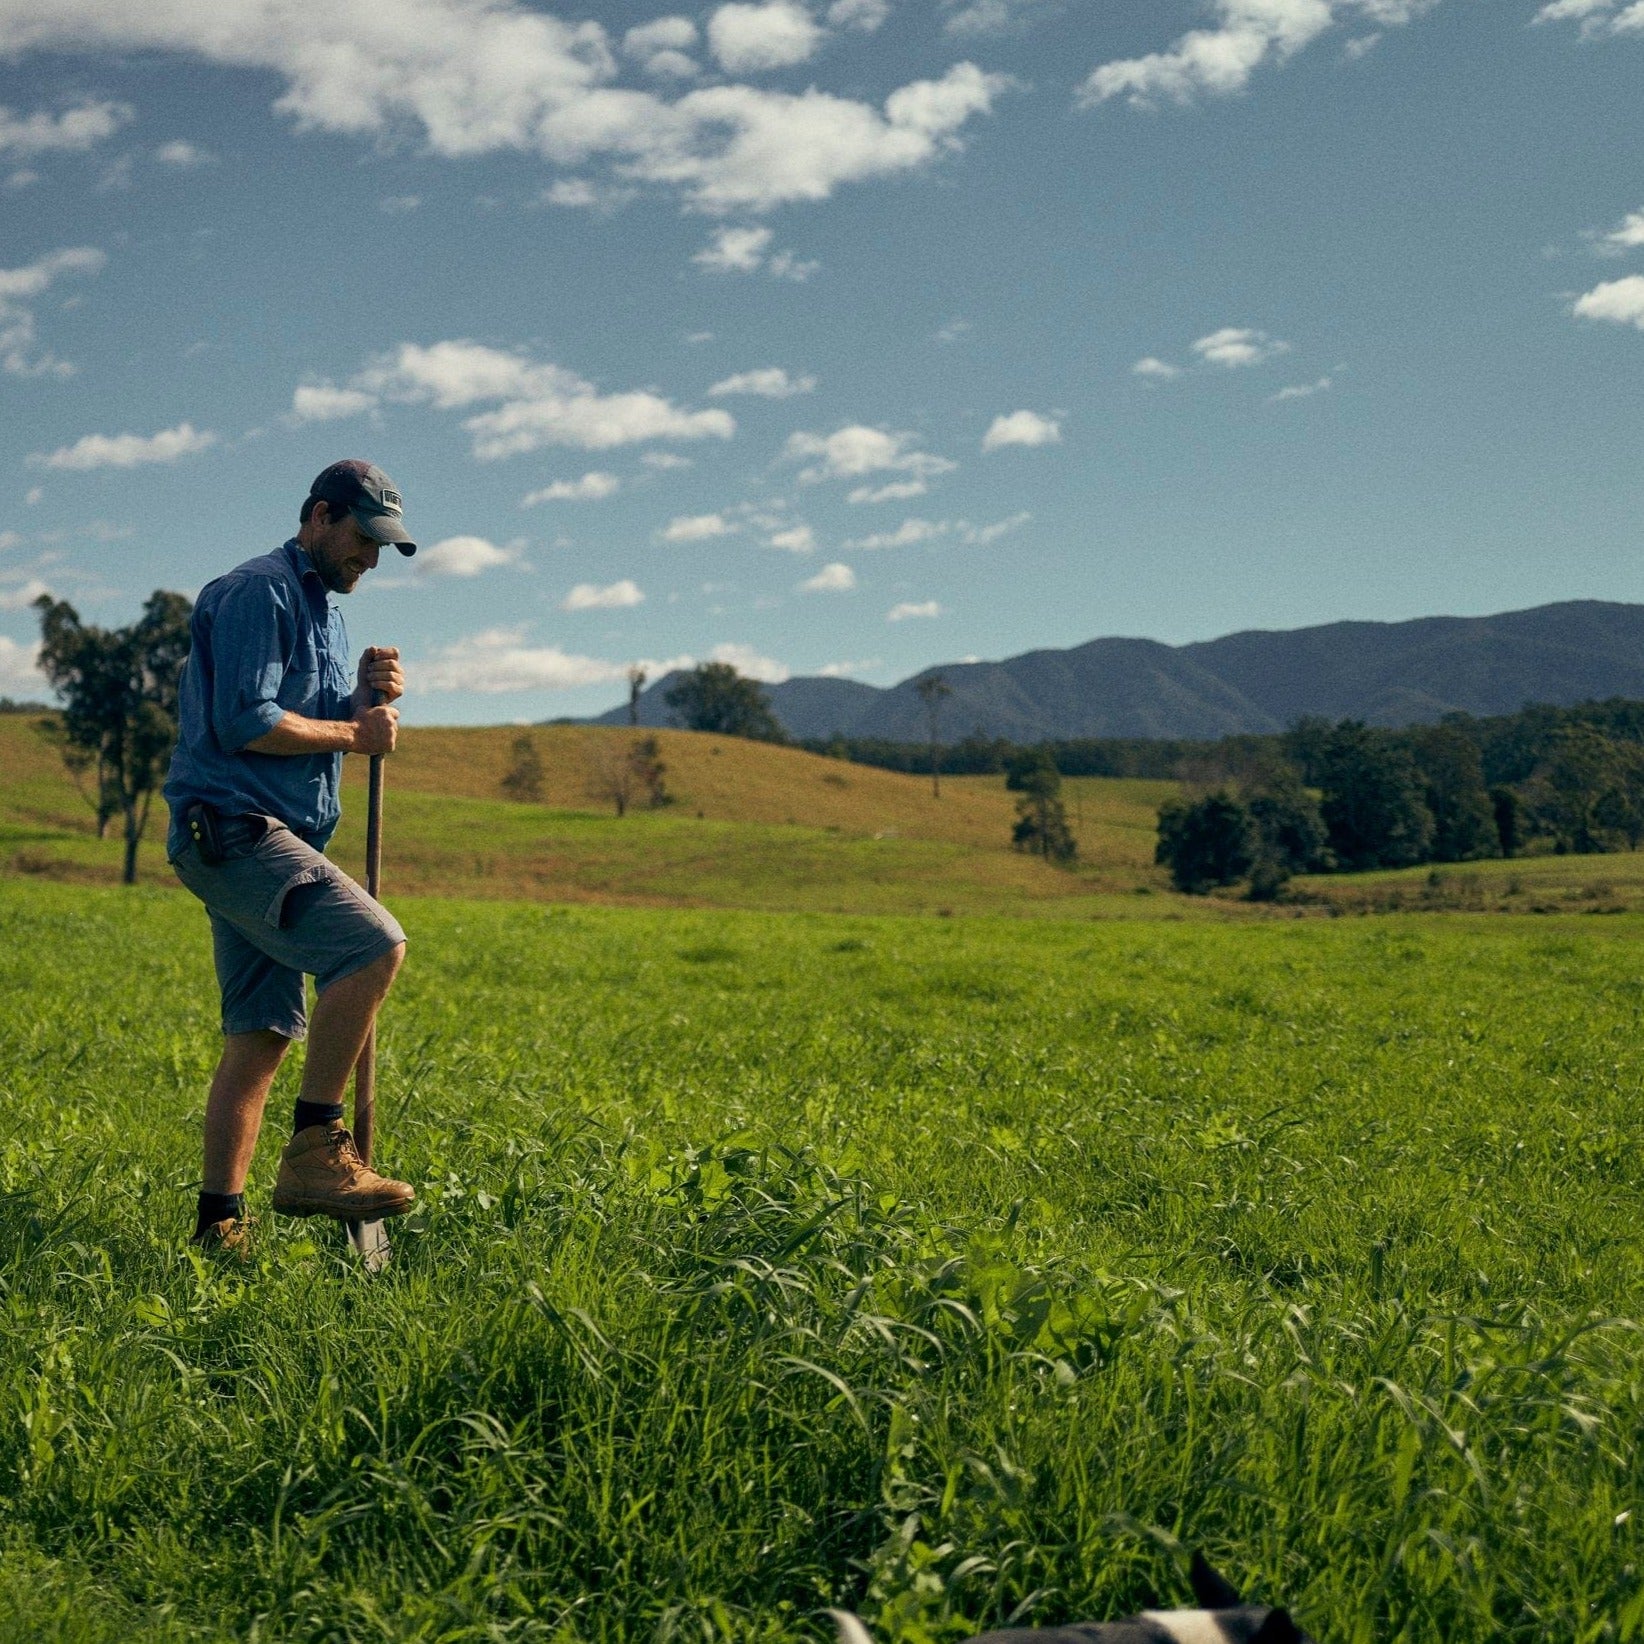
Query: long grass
{"points": [[954, 1271]]}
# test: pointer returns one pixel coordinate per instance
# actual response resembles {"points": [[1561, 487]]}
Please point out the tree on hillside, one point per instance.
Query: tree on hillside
{"points": [[119, 692], [1373, 803], [1452, 773], [1041, 822], [1206, 842], [523, 779], [932, 689], [1582, 791], [713, 696], [636, 683], [619, 773]]}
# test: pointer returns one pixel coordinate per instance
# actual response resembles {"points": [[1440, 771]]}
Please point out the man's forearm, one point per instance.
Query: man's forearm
{"points": [[296, 735]]}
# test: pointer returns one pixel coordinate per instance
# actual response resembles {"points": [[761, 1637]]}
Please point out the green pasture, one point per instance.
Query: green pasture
{"points": [[952, 1270]]}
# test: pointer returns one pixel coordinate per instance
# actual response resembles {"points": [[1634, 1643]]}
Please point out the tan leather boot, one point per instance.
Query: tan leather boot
{"points": [[229, 1238], [321, 1174]]}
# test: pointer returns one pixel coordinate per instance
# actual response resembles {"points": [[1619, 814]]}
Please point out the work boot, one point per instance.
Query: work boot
{"points": [[322, 1174], [231, 1238]]}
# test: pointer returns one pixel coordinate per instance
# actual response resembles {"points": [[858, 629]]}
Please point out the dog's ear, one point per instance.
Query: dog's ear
{"points": [[1214, 1592], [1278, 1628]]}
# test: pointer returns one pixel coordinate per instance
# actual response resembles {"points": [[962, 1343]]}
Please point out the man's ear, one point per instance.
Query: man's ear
{"points": [[1214, 1592]]}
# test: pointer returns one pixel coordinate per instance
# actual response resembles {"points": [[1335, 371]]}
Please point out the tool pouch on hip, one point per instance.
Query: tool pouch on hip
{"points": [[200, 824]]}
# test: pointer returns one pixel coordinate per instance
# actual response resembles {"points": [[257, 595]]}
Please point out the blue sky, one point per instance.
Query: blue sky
{"points": [[848, 336]]}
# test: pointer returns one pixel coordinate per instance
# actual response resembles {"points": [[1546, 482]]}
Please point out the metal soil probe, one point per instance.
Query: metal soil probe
{"points": [[369, 1239]]}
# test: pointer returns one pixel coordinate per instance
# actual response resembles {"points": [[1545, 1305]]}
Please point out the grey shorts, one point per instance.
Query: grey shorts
{"points": [[280, 910]]}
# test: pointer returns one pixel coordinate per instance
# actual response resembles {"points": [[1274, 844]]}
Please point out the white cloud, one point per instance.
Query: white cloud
{"points": [[748, 38], [663, 460], [127, 450], [660, 47], [183, 156], [322, 402], [734, 250], [796, 539], [465, 557], [1220, 61], [831, 579], [1619, 301], [1022, 428], [912, 609], [1299, 391], [979, 536], [18, 289], [586, 596], [1238, 345], [697, 528], [580, 194], [540, 404], [19, 670], [1598, 18], [894, 491], [73, 131], [1155, 370], [24, 595], [770, 382], [592, 487], [499, 659], [866, 15], [856, 450], [905, 535], [397, 205], [986, 16], [843, 670], [1631, 233], [749, 663], [484, 76]]}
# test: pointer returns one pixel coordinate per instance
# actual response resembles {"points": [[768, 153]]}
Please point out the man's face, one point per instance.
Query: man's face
{"points": [[341, 552]]}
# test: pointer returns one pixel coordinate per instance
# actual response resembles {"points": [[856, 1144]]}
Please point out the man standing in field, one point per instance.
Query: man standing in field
{"points": [[267, 711]]}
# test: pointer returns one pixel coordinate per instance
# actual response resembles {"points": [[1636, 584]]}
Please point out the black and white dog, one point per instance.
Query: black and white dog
{"points": [[1223, 1619]]}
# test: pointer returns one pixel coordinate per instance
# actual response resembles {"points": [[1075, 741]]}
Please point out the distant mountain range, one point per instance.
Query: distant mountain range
{"points": [[1386, 673]]}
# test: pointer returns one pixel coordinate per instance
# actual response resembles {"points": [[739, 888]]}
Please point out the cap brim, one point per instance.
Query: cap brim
{"points": [[384, 528]]}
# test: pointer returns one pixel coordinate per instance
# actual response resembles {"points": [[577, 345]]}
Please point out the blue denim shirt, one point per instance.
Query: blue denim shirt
{"points": [[266, 639]]}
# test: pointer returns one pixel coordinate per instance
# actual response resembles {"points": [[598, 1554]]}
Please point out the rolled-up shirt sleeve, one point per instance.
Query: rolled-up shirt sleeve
{"points": [[252, 636]]}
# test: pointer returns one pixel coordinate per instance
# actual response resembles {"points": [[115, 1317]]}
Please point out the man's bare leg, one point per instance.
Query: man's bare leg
{"points": [[342, 1017], [234, 1108]]}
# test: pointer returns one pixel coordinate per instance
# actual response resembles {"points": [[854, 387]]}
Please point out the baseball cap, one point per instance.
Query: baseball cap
{"points": [[369, 495]]}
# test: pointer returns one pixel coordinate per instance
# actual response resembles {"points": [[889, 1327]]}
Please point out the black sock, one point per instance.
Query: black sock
{"points": [[315, 1113], [218, 1207]]}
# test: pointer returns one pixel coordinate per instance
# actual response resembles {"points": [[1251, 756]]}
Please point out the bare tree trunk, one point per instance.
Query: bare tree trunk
{"points": [[134, 834]]}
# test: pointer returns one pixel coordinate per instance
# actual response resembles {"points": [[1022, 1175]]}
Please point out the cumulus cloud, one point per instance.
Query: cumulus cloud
{"points": [[19, 287], [795, 539], [748, 662], [1299, 391], [616, 596], [23, 136], [979, 536], [465, 557], [664, 460], [857, 450], [537, 403], [1155, 370], [499, 659], [746, 39], [19, 669], [770, 382], [1021, 428], [592, 487], [1220, 61], [661, 47], [911, 609], [892, 491], [843, 670], [697, 528], [746, 251], [476, 77], [1598, 18], [127, 450], [183, 156], [909, 532], [1234, 346], [23, 595], [1631, 233], [322, 402], [831, 579], [1619, 301]]}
